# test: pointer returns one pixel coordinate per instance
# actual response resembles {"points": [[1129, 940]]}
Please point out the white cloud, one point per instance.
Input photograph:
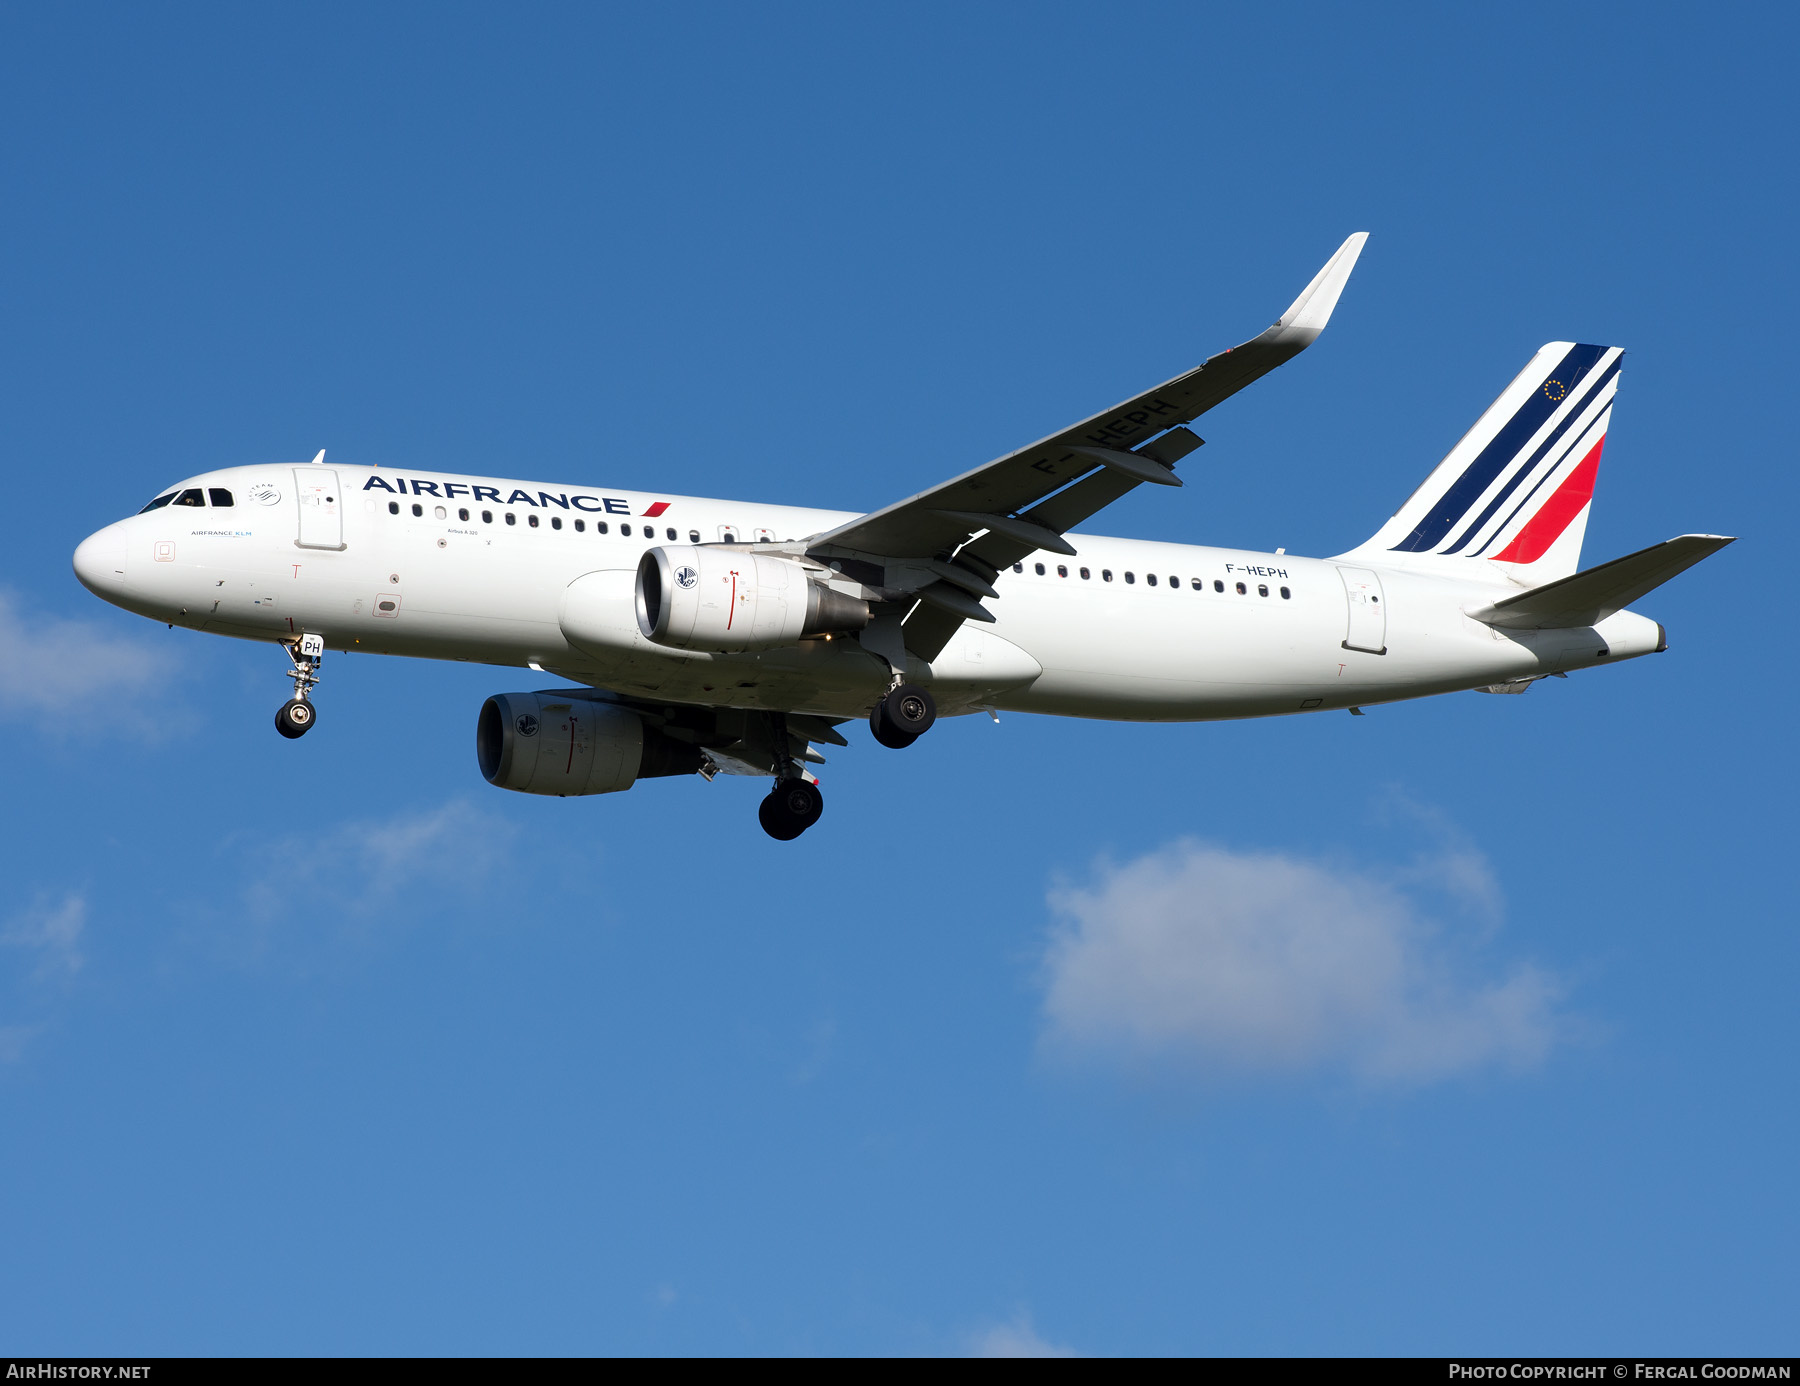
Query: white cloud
{"points": [[1014, 1338], [48, 936], [13, 1039], [52, 934], [1230, 962], [362, 878], [49, 665]]}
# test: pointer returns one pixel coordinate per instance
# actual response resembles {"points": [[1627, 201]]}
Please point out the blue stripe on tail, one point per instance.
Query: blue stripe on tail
{"points": [[1537, 457], [1506, 445]]}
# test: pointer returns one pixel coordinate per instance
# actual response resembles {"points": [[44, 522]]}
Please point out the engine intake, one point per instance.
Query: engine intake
{"points": [[725, 601], [541, 743]]}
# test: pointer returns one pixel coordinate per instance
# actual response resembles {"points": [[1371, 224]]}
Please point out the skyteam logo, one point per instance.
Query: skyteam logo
{"points": [[685, 577], [527, 724]]}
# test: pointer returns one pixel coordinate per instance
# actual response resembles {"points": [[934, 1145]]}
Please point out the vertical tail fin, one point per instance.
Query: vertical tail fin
{"points": [[1516, 490]]}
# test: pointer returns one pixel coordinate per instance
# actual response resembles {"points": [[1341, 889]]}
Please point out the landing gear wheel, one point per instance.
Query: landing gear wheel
{"points": [[903, 716], [295, 719], [790, 809], [893, 740]]}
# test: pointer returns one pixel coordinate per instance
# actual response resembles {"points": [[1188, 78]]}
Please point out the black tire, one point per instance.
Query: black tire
{"points": [[295, 718], [886, 735], [909, 710], [775, 822], [790, 809], [800, 800]]}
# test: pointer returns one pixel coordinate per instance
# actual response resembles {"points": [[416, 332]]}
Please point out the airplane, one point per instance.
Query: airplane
{"points": [[730, 637]]}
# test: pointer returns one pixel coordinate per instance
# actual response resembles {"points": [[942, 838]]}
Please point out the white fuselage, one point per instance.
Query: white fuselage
{"points": [[1153, 632]]}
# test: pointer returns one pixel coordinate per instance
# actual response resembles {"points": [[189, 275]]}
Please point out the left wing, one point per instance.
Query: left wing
{"points": [[1024, 501]]}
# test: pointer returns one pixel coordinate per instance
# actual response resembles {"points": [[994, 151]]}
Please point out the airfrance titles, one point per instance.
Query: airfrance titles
{"points": [[450, 490]]}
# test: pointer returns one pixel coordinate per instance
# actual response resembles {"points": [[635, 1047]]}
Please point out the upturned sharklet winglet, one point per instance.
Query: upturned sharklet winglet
{"points": [[1307, 315], [1588, 598]]}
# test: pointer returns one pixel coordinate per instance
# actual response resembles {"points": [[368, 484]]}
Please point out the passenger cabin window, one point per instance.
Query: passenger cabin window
{"points": [[1062, 570], [1018, 567], [1262, 589], [418, 510], [599, 526], [1218, 586], [625, 530], [511, 518], [158, 503], [693, 536], [440, 512], [1286, 595], [530, 520], [1243, 591], [1199, 586], [1040, 568], [393, 507], [462, 514], [191, 496], [1148, 577], [1106, 575], [1130, 576], [1084, 575], [580, 526], [487, 517], [218, 495], [1174, 581], [671, 534]]}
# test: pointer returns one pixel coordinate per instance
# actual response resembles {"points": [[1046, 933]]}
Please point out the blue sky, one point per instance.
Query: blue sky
{"points": [[1466, 1026]]}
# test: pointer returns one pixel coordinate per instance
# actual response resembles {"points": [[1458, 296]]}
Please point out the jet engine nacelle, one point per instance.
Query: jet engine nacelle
{"points": [[538, 743], [726, 601]]}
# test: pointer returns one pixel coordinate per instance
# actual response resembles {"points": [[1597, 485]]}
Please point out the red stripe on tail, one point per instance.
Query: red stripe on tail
{"points": [[1546, 527]]}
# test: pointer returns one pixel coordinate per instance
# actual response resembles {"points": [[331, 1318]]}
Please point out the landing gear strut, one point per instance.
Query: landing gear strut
{"points": [[296, 716], [903, 716], [795, 803]]}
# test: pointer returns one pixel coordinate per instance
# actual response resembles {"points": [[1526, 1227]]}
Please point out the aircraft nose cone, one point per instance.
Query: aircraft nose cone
{"points": [[100, 562]]}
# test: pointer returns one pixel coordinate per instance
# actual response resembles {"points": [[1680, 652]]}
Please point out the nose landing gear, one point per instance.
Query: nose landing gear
{"points": [[296, 716], [903, 716]]}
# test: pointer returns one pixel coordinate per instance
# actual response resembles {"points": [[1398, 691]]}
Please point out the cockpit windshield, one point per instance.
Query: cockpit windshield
{"points": [[193, 495]]}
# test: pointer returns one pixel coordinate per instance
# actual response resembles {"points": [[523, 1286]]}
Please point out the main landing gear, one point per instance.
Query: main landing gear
{"points": [[790, 808], [903, 716], [297, 715], [794, 804]]}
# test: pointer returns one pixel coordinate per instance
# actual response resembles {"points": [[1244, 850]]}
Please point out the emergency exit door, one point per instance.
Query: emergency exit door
{"points": [[321, 508], [1368, 613]]}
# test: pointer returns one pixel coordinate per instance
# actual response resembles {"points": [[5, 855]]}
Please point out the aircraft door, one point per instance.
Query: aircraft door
{"points": [[1368, 614], [321, 508]]}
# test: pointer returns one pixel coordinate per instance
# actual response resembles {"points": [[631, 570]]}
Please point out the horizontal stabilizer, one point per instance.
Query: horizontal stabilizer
{"points": [[1588, 598]]}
